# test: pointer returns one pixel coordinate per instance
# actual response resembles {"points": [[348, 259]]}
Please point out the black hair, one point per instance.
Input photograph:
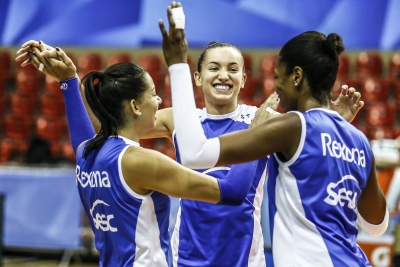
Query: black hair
{"points": [[117, 84], [212, 45], [318, 56]]}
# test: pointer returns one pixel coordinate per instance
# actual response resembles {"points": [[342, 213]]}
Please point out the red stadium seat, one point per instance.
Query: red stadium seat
{"points": [[52, 86], [152, 63], [368, 63], [17, 126], [379, 114], [268, 86], [248, 63], [5, 60], [9, 146], [118, 57], [3, 103], [49, 128], [344, 65], [28, 81], [374, 89], [394, 66], [396, 86], [267, 65], [3, 83], [67, 152], [88, 62], [249, 88], [23, 104], [52, 104]]}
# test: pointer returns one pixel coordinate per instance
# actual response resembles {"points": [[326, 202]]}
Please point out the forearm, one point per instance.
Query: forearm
{"points": [[195, 149], [235, 186], [79, 125]]}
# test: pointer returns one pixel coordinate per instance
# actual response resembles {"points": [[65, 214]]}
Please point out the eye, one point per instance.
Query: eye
{"points": [[213, 68], [233, 70]]}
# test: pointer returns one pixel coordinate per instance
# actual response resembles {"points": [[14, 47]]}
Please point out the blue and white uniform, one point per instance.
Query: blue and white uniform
{"points": [[206, 234], [313, 195], [130, 229]]}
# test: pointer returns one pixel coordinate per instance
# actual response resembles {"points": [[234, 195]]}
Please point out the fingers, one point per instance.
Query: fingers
{"points": [[30, 43], [162, 29], [22, 57], [23, 51], [63, 56], [271, 102], [170, 18], [35, 61], [344, 90], [26, 62], [49, 54]]}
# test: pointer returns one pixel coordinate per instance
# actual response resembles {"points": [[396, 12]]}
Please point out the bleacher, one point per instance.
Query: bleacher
{"points": [[31, 104]]}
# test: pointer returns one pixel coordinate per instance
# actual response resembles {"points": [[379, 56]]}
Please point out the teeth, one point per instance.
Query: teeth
{"points": [[222, 87]]}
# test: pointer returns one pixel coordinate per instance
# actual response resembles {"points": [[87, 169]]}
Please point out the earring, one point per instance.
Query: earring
{"points": [[295, 84], [140, 113]]}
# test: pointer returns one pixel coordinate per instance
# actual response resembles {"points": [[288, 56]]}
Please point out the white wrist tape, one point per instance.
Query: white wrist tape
{"points": [[179, 17], [196, 151], [373, 229]]}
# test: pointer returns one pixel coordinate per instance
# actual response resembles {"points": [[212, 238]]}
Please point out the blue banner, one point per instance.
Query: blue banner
{"points": [[366, 24], [42, 208]]}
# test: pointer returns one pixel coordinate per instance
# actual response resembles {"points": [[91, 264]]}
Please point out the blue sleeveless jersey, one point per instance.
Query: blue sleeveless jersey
{"points": [[207, 234], [312, 196], [130, 229]]}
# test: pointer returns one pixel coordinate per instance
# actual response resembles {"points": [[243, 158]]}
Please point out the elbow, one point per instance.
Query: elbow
{"points": [[374, 229], [237, 201]]}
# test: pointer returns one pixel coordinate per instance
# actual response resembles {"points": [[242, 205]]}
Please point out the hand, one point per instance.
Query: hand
{"points": [[174, 44], [23, 54], [262, 113], [348, 103], [56, 63]]}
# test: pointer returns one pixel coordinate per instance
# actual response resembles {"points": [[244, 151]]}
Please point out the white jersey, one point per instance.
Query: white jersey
{"points": [[207, 234]]}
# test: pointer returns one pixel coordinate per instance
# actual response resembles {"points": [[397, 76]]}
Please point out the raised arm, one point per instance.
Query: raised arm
{"points": [[196, 150], [63, 70]]}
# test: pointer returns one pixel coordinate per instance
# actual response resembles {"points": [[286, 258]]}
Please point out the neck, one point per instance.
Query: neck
{"points": [[129, 133], [221, 109]]}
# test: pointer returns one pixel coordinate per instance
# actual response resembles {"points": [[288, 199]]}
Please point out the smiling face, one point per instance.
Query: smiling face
{"points": [[148, 104], [221, 77]]}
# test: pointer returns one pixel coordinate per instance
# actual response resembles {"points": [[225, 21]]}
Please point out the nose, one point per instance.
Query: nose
{"points": [[223, 75], [159, 100]]}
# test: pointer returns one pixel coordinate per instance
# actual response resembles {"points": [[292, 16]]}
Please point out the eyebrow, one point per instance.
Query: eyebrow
{"points": [[216, 63]]}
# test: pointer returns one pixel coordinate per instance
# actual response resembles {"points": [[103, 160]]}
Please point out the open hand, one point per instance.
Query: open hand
{"points": [[348, 104], [266, 110], [174, 44]]}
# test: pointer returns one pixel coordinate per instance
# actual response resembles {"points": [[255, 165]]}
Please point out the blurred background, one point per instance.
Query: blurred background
{"points": [[42, 216]]}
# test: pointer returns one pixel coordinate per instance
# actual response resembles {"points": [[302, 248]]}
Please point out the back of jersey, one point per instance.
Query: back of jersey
{"points": [[314, 194], [130, 229]]}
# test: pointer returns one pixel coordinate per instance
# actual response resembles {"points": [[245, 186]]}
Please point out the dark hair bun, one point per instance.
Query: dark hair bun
{"points": [[334, 45]]}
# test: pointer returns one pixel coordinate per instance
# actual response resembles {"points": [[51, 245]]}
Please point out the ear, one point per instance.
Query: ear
{"points": [[135, 107], [244, 79], [297, 75], [197, 78]]}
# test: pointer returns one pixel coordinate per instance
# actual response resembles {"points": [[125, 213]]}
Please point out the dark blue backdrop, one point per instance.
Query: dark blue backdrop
{"points": [[363, 24]]}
